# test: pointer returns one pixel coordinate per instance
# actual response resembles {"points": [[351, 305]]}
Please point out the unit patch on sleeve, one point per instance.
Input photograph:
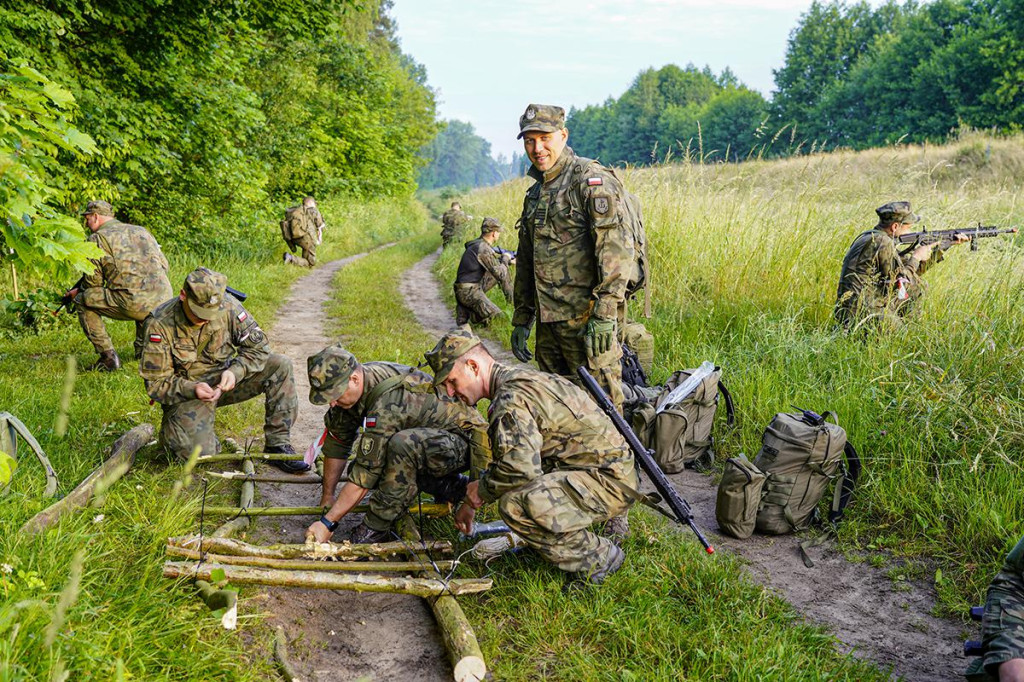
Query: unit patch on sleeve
{"points": [[242, 316], [369, 422], [156, 338], [591, 182]]}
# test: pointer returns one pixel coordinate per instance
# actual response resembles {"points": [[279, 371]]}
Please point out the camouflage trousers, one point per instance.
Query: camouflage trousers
{"points": [[472, 304], [560, 349], [446, 235], [308, 246], [190, 423], [414, 459], [95, 303], [1002, 626], [553, 514]]}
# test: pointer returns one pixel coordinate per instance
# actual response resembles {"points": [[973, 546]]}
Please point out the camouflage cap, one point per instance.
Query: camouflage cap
{"points": [[99, 208], [896, 212], [546, 118], [452, 346], [489, 225], [328, 372], [204, 291]]}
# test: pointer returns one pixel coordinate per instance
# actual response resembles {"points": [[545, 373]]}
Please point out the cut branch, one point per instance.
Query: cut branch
{"points": [[245, 499], [429, 509], [258, 456], [264, 478], [308, 564], [342, 551]]}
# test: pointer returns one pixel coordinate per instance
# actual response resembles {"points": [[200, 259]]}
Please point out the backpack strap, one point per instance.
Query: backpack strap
{"points": [[847, 482], [382, 388], [730, 410]]}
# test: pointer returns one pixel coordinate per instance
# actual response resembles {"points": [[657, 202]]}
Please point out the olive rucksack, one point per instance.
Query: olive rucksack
{"points": [[294, 226], [636, 337], [739, 497]]}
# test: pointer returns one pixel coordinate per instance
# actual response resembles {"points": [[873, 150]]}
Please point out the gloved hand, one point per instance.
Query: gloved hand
{"points": [[598, 336], [519, 336]]}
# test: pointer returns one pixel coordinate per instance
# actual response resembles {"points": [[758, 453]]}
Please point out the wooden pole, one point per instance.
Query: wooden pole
{"points": [[429, 509], [307, 564], [341, 551], [240, 575], [120, 461], [284, 662], [264, 478], [14, 280], [242, 456], [245, 499]]}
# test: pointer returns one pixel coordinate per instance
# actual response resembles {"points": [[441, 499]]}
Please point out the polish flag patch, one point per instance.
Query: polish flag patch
{"points": [[242, 316], [591, 182], [369, 422], [156, 338]]}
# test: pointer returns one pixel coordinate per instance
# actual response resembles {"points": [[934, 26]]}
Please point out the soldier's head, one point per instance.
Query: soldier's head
{"points": [[457, 206], [490, 229], [542, 129], [896, 218], [203, 295], [335, 377], [97, 213], [462, 366], [309, 202]]}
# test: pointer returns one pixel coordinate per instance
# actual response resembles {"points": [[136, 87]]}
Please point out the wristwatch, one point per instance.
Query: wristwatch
{"points": [[331, 525]]}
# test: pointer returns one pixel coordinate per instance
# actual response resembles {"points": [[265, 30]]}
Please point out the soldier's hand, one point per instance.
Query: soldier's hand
{"points": [[227, 381], [71, 293], [923, 252], [598, 336], [207, 394], [960, 238], [520, 335], [464, 518], [318, 532]]}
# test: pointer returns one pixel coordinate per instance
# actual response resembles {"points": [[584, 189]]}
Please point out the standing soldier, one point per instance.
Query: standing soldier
{"points": [[877, 282], [303, 226], [130, 280], [203, 349], [451, 222], [575, 257], [479, 270], [403, 438], [559, 463]]}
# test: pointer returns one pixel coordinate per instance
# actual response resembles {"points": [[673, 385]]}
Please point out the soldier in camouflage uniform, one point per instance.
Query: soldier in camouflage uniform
{"points": [[203, 349], [574, 259], [876, 282], [307, 227], [451, 222], [404, 440], [130, 280], [559, 464], [479, 270], [1002, 626]]}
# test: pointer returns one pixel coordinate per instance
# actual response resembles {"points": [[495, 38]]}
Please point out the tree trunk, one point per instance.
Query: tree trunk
{"points": [[342, 551]]}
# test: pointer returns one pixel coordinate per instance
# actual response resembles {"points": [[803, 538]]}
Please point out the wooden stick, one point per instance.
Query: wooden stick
{"points": [[245, 499], [429, 509], [120, 461], [242, 456], [459, 639], [307, 564], [264, 478], [240, 575], [323, 550], [283, 660], [12, 428]]}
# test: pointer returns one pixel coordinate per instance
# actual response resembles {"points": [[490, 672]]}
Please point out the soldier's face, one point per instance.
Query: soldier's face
{"points": [[465, 382], [543, 149], [351, 396]]}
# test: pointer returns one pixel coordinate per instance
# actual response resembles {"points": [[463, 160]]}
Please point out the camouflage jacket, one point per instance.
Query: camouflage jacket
{"points": [[178, 354], [132, 266], [453, 218], [479, 258], [540, 423], [305, 220], [364, 429], [575, 253], [872, 268]]}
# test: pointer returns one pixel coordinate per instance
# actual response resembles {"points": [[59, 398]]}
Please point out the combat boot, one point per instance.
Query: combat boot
{"points": [[616, 528], [107, 362], [290, 466], [447, 489], [592, 579], [364, 535]]}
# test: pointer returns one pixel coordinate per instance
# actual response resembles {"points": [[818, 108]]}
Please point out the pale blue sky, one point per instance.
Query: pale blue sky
{"points": [[488, 59]]}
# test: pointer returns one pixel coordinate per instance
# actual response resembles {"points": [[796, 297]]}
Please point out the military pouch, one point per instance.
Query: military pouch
{"points": [[682, 431], [739, 497]]}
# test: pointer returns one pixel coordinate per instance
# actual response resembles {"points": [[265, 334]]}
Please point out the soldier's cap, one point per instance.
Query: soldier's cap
{"points": [[896, 212], [489, 225], [99, 208], [452, 346], [204, 292], [546, 118], [329, 371]]}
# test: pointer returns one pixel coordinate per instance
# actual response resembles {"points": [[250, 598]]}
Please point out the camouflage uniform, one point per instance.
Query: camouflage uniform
{"points": [[479, 270], [573, 261], [403, 438], [304, 232], [129, 281], [1002, 626], [876, 282], [178, 354], [451, 221]]}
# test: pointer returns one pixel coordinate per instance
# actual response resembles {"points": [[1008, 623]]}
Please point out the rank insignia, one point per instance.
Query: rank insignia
{"points": [[531, 114]]}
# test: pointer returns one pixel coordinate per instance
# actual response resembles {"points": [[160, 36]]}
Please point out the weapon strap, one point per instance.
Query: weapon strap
{"points": [[382, 388]]}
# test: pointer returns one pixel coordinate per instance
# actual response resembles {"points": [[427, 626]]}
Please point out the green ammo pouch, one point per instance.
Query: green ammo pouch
{"points": [[739, 497]]}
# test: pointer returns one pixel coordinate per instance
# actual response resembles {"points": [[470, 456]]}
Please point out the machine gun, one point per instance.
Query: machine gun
{"points": [[945, 238], [680, 509], [67, 301]]}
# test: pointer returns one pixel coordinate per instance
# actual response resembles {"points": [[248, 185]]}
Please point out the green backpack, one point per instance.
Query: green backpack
{"points": [[296, 224]]}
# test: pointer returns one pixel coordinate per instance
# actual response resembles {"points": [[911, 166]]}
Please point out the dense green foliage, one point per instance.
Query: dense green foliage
{"points": [[210, 118], [458, 157]]}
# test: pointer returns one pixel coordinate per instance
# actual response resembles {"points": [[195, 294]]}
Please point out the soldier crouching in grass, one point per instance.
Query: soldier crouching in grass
{"points": [[479, 270], [404, 440], [204, 349], [559, 464], [1002, 626]]}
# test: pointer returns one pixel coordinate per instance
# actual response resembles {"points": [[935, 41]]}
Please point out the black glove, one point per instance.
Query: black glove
{"points": [[519, 336]]}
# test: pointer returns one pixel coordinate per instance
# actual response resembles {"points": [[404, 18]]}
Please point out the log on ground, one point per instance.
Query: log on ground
{"points": [[343, 551], [428, 508], [307, 564], [245, 499]]}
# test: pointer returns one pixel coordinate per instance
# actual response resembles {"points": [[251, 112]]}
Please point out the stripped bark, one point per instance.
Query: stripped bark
{"points": [[341, 551], [307, 564]]}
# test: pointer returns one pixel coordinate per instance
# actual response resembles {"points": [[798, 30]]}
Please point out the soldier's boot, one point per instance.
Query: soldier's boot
{"points": [[289, 467], [448, 489], [616, 528], [107, 362], [580, 581], [288, 258], [364, 535]]}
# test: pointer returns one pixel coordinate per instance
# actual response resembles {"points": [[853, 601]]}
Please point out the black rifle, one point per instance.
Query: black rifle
{"points": [[236, 293], [504, 252], [680, 510], [67, 301], [944, 238]]}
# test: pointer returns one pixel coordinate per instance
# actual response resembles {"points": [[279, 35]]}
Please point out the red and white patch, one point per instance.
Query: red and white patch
{"points": [[242, 316], [369, 422], [156, 338], [592, 182]]}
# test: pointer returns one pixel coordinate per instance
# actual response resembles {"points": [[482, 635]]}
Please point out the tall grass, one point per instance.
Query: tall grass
{"points": [[745, 261]]}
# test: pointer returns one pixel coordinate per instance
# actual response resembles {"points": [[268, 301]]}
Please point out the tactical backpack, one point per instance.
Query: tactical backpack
{"points": [[294, 226], [680, 433]]}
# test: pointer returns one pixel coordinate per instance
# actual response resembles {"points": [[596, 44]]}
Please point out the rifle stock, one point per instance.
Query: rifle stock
{"points": [[680, 509]]}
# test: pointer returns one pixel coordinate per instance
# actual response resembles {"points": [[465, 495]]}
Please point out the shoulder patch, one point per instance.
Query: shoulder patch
{"points": [[592, 182], [601, 204], [242, 316], [369, 422], [156, 338]]}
